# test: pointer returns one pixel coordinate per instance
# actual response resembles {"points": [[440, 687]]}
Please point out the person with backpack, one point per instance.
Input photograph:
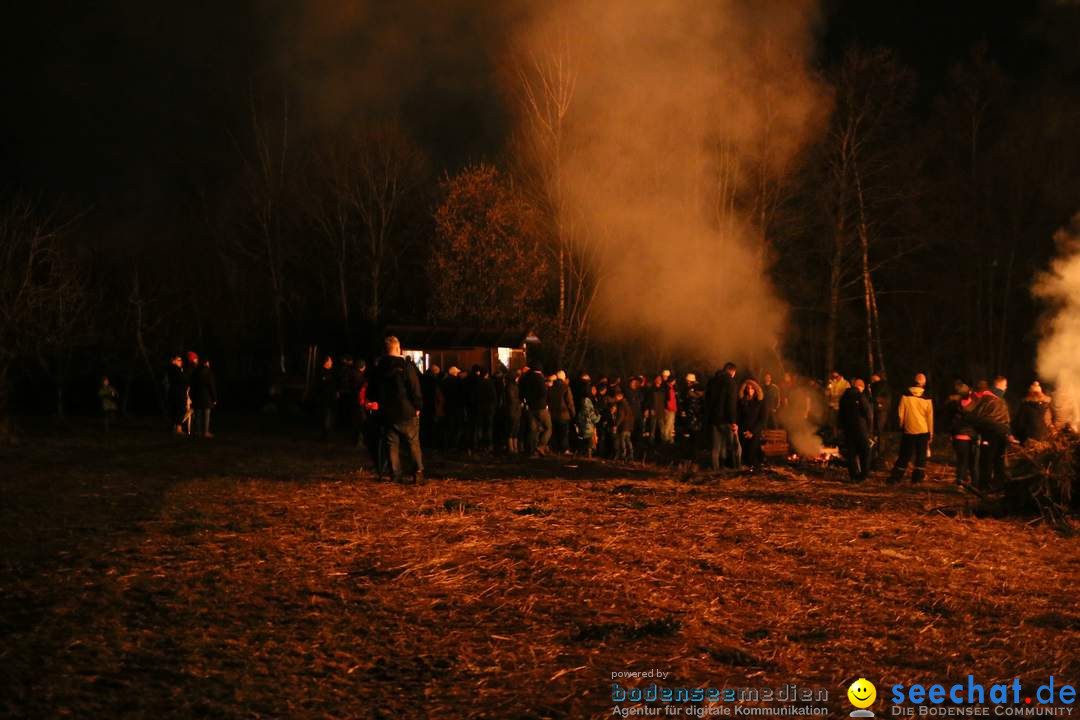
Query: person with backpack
{"points": [[398, 399]]}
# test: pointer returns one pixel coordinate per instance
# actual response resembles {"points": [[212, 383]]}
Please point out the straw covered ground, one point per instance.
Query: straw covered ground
{"points": [[254, 576]]}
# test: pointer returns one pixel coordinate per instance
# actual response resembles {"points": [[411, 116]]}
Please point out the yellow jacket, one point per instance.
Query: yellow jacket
{"points": [[916, 413]]}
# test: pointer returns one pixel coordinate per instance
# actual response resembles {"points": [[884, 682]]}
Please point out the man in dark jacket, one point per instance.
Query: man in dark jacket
{"points": [[534, 394], [881, 401], [561, 406], [453, 388], [856, 420], [399, 401], [721, 407], [203, 396], [483, 401], [989, 415]]}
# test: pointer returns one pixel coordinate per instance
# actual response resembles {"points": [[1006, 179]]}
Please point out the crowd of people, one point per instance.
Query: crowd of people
{"points": [[393, 406], [535, 413]]}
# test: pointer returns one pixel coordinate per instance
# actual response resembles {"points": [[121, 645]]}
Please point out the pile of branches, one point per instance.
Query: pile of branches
{"points": [[1044, 478]]}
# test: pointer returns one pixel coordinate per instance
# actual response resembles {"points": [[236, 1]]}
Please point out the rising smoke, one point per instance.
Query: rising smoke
{"points": [[685, 113], [1059, 348]]}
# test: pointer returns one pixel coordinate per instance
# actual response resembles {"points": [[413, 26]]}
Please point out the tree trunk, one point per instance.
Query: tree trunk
{"points": [[877, 337], [834, 312], [868, 283]]}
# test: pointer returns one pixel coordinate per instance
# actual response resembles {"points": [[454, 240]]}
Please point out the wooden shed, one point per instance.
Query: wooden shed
{"points": [[463, 347]]}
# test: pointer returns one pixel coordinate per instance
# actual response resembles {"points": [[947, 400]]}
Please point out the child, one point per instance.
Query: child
{"points": [[587, 417]]}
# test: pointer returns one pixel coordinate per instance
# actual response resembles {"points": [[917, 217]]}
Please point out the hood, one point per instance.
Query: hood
{"points": [[758, 393], [916, 391]]}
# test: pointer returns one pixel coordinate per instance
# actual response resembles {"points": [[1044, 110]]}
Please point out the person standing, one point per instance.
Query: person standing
{"points": [[916, 415], [856, 420], [587, 418], [204, 396], [989, 415], [669, 410], [562, 412], [511, 407], [107, 395], [484, 400], [772, 401], [835, 388], [1033, 420], [624, 427], [399, 400], [750, 414], [177, 383], [962, 432], [534, 393], [653, 404], [721, 402], [326, 396], [881, 401]]}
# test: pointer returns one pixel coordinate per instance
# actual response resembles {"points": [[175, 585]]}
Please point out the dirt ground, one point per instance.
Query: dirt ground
{"points": [[268, 575]]}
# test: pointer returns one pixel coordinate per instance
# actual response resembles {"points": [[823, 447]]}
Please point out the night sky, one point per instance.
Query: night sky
{"points": [[134, 100]]}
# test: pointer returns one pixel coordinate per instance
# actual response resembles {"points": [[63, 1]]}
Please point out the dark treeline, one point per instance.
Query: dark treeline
{"points": [[905, 239]]}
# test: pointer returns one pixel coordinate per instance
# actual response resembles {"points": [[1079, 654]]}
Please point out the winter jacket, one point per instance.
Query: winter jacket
{"points": [[916, 412], [624, 416], [326, 393], [989, 414], [587, 417], [855, 416], [881, 395], [772, 398], [835, 390], [561, 402], [721, 400], [634, 398], [203, 388], [670, 403], [107, 394], [750, 413], [534, 391], [512, 399], [1032, 419], [483, 398], [177, 382], [396, 388], [659, 399], [957, 420]]}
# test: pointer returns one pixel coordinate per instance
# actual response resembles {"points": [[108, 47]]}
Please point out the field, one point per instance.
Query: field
{"points": [[268, 575]]}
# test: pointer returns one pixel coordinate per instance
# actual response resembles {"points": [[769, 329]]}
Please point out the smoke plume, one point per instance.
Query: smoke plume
{"points": [[684, 115], [1059, 348]]}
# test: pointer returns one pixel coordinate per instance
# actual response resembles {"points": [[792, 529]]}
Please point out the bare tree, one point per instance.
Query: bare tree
{"points": [[870, 90], [41, 295], [368, 185], [264, 242], [546, 85]]}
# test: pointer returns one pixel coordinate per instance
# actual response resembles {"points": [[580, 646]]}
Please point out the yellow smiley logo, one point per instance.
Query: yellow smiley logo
{"points": [[862, 693]]}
